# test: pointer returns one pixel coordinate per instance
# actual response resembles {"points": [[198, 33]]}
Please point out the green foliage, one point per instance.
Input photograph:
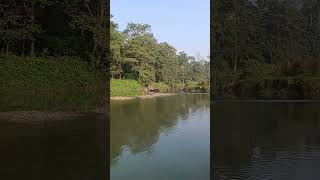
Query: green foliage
{"points": [[137, 54], [125, 87], [91, 18], [179, 86], [197, 86], [280, 88], [142, 48], [257, 40], [17, 22], [260, 70], [49, 27], [161, 86], [276, 32], [49, 83], [135, 30], [52, 42], [192, 84], [116, 48]]}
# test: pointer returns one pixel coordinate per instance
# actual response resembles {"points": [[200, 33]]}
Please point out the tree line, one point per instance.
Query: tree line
{"points": [[81, 28], [267, 49], [137, 54], [55, 28], [264, 38]]}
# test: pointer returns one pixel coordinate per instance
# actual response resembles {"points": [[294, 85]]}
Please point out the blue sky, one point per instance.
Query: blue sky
{"points": [[185, 24]]}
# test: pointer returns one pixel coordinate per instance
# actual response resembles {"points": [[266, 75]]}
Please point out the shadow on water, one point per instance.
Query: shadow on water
{"points": [[266, 140], [67, 149]]}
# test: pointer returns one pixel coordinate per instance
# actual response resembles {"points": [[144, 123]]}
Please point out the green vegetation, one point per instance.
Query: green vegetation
{"points": [[161, 86], [55, 28], [199, 87], [136, 54], [53, 54], [125, 88], [265, 41], [130, 87], [49, 83]]}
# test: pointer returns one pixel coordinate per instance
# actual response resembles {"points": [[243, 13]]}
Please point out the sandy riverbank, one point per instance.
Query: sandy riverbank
{"points": [[37, 116], [122, 98], [41, 116]]}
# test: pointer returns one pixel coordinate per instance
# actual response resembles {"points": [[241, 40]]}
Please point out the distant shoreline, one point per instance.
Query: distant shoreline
{"points": [[123, 98]]}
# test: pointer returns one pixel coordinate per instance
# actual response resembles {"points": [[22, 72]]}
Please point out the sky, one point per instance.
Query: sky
{"points": [[185, 24]]}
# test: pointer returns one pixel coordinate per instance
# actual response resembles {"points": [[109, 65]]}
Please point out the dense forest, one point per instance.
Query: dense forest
{"points": [[266, 47], [55, 28], [137, 55], [52, 50]]}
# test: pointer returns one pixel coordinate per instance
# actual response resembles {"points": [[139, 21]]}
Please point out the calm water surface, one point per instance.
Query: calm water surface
{"points": [[53, 149], [164, 138], [266, 140]]}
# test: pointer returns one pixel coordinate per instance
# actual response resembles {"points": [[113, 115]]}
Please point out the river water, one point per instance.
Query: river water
{"points": [[51, 146], [166, 138], [278, 140], [163, 138]]}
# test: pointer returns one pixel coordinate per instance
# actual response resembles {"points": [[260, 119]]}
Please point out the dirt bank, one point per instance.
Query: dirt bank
{"points": [[44, 116], [122, 98]]}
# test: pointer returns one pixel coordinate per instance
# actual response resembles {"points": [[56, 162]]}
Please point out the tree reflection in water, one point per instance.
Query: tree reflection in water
{"points": [[137, 124]]}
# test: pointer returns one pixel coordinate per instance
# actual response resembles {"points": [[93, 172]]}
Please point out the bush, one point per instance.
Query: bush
{"points": [[260, 70], [163, 87], [34, 83], [125, 88]]}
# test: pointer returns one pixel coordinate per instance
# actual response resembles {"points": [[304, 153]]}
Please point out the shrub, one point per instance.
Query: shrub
{"points": [[49, 83], [125, 87], [163, 87]]}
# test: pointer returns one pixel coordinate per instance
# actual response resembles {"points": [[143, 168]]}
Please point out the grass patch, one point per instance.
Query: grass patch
{"points": [[163, 87], [125, 87], [49, 83]]}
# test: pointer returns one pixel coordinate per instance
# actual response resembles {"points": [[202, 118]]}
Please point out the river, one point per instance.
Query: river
{"points": [[264, 140], [162, 138], [52, 145]]}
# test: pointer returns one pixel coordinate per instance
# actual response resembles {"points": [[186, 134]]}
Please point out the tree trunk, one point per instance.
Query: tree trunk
{"points": [[7, 49], [235, 37], [236, 53], [32, 21], [102, 8], [94, 46], [271, 55], [101, 14], [32, 48], [22, 49]]}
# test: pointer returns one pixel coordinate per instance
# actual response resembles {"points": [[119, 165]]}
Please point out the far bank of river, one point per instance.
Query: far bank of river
{"points": [[147, 96], [122, 98]]}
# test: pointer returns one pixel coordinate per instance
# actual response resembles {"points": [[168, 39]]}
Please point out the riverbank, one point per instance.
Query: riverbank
{"points": [[123, 98], [125, 89], [274, 88], [36, 117]]}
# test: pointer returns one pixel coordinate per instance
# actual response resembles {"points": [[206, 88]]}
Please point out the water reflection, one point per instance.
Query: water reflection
{"points": [[53, 148], [266, 140], [138, 125]]}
